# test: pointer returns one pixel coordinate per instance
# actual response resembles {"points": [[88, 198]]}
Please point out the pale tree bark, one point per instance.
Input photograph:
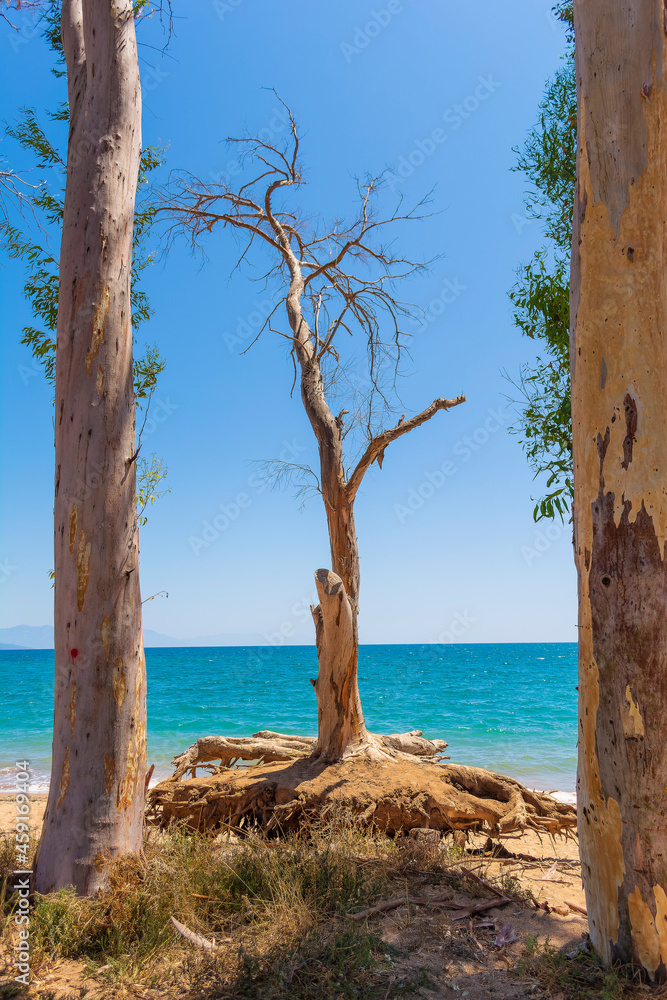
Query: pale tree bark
{"points": [[96, 798], [619, 374]]}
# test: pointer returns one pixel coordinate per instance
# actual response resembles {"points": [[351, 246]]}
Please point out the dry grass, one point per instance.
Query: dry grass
{"points": [[581, 975], [277, 908]]}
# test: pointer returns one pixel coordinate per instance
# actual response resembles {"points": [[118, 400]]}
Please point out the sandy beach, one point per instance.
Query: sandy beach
{"points": [[8, 813]]}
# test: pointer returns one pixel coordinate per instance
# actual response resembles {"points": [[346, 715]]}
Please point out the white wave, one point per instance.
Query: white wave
{"points": [[40, 785], [570, 798]]}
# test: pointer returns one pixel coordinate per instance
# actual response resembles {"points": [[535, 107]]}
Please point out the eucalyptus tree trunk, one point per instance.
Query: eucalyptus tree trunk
{"points": [[96, 797], [619, 374]]}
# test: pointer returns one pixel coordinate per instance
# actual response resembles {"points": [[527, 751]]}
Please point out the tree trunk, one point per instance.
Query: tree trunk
{"points": [[341, 730], [619, 373], [337, 636], [344, 546], [96, 797]]}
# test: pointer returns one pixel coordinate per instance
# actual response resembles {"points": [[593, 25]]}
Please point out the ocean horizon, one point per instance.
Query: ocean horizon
{"points": [[511, 707]]}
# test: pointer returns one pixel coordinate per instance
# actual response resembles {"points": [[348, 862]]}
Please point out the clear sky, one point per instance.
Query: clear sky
{"points": [[443, 558]]}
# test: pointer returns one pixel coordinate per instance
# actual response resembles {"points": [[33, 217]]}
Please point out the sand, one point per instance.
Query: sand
{"points": [[8, 814]]}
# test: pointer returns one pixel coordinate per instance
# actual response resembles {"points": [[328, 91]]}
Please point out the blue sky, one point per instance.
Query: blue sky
{"points": [[438, 93]]}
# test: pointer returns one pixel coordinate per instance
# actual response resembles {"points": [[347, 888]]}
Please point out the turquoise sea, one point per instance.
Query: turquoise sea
{"points": [[509, 707]]}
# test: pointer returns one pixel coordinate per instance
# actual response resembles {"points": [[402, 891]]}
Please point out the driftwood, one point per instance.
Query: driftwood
{"points": [[394, 795], [269, 747]]}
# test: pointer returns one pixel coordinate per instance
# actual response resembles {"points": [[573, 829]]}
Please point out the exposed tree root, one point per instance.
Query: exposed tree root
{"points": [[394, 795], [268, 747]]}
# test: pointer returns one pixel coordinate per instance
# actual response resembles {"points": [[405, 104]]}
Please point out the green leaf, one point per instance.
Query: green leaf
{"points": [[541, 294]]}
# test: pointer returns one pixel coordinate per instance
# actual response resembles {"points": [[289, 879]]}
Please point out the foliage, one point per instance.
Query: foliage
{"points": [[541, 293], [150, 473], [35, 250]]}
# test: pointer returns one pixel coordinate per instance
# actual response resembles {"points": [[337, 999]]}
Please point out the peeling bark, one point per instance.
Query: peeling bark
{"points": [[340, 722], [96, 798], [619, 369]]}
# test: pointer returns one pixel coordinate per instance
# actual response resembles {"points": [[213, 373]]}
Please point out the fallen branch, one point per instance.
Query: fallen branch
{"points": [[480, 881], [392, 904], [576, 907], [196, 939], [467, 910], [470, 911], [548, 908]]}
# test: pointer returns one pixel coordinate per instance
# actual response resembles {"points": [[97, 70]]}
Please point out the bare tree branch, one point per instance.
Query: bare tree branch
{"points": [[376, 448], [17, 191], [339, 285], [18, 6]]}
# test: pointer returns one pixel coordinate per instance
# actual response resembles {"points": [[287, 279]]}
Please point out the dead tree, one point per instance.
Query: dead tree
{"points": [[335, 283]]}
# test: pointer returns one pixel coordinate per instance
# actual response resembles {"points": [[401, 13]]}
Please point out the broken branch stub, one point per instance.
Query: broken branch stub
{"points": [[340, 722]]}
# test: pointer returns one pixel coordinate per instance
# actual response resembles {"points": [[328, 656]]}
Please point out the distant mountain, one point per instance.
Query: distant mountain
{"points": [[41, 637], [152, 638], [28, 636]]}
